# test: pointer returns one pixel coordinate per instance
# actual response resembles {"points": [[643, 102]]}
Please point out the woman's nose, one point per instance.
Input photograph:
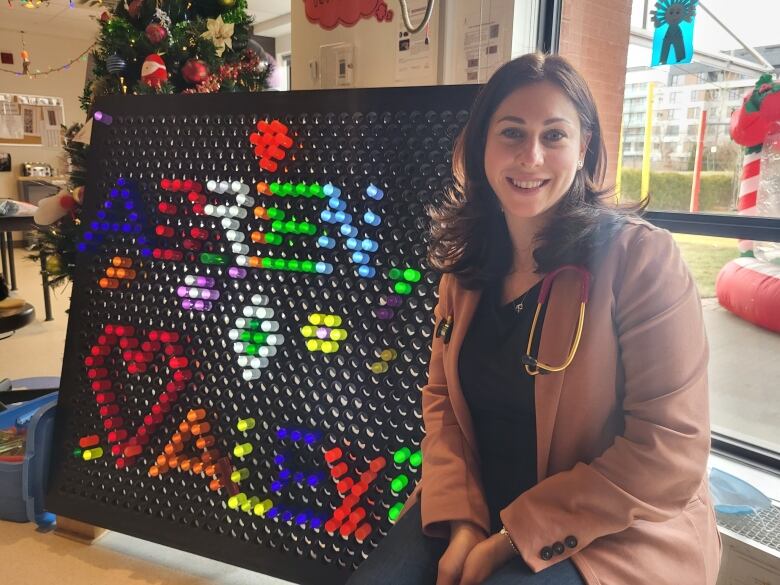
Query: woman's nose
{"points": [[530, 153]]}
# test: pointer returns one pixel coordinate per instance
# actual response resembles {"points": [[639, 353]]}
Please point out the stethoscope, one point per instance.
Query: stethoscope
{"points": [[532, 365]]}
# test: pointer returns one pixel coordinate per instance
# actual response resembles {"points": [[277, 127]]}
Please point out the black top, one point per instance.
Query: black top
{"points": [[500, 394]]}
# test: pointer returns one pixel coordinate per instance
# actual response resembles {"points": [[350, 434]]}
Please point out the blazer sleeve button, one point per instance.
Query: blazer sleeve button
{"points": [[558, 548], [570, 541], [546, 553]]}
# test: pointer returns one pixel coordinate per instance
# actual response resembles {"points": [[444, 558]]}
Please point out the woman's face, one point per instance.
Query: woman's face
{"points": [[533, 145]]}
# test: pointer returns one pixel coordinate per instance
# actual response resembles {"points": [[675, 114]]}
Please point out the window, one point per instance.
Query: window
{"points": [[716, 80]]}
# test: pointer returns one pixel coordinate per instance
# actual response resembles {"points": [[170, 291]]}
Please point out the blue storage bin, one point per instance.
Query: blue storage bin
{"points": [[23, 483]]}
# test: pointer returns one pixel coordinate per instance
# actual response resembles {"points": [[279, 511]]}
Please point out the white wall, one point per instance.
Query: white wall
{"points": [[375, 45], [452, 20], [45, 51], [283, 45]]}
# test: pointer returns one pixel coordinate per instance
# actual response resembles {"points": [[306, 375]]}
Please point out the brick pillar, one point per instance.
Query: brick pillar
{"points": [[594, 38]]}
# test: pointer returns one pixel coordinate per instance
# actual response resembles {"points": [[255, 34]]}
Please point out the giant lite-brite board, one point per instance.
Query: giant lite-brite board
{"points": [[251, 322]]}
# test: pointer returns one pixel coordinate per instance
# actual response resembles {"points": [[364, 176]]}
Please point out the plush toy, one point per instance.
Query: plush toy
{"points": [[154, 72], [55, 207]]}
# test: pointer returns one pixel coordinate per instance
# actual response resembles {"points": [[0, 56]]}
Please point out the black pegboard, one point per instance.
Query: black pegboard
{"points": [[193, 295]]}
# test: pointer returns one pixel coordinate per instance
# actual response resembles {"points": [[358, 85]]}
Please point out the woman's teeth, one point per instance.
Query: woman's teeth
{"points": [[527, 184]]}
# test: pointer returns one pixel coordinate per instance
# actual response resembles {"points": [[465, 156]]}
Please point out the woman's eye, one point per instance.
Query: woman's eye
{"points": [[511, 133], [555, 135]]}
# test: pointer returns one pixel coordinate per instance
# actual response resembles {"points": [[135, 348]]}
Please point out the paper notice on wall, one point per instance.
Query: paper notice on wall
{"points": [[51, 135], [11, 126], [487, 39], [414, 53]]}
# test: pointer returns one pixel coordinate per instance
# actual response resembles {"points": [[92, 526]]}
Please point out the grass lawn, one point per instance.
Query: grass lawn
{"points": [[706, 255]]}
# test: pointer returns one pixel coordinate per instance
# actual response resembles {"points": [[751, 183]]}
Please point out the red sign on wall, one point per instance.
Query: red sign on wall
{"points": [[330, 13]]}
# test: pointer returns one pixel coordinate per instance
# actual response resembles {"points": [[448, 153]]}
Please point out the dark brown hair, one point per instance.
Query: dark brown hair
{"points": [[469, 236]]}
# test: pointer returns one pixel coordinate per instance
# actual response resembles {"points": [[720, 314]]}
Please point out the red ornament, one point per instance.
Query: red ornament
{"points": [[194, 71], [155, 33], [67, 202], [153, 71], [134, 8], [105, 17]]}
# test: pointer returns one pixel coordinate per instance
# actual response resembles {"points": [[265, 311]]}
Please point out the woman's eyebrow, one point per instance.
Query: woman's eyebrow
{"points": [[519, 120]]}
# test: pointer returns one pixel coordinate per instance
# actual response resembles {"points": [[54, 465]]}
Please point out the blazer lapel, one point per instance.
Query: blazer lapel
{"points": [[560, 323], [462, 309]]}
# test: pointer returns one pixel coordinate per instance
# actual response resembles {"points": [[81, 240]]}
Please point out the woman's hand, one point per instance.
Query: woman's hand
{"points": [[486, 558], [464, 536]]}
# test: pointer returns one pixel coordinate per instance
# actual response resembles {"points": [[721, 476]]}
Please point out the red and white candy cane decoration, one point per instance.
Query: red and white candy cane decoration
{"points": [[748, 188]]}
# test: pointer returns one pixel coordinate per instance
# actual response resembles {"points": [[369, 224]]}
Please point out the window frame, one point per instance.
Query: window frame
{"points": [[765, 229]]}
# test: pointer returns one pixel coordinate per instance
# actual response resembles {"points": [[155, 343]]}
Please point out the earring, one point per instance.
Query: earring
{"points": [[580, 164]]}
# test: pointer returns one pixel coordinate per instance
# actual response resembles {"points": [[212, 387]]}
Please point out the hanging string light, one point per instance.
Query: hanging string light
{"points": [[31, 4], [25, 55]]}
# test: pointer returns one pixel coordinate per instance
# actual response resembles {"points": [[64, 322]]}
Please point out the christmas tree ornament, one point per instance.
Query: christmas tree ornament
{"points": [[54, 264], [162, 17], [115, 64], [194, 71], [105, 17], [220, 33], [226, 3], [134, 8], [153, 71], [156, 33]]}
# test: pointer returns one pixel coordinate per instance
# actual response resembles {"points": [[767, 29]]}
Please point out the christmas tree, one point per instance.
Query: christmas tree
{"points": [[143, 47]]}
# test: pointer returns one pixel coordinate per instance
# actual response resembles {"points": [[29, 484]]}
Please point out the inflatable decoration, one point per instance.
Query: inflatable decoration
{"points": [[749, 287]]}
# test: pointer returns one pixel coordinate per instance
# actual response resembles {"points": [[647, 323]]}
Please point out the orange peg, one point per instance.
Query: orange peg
{"points": [[121, 262], [162, 460], [132, 450], [377, 464], [196, 414], [126, 273], [89, 441], [214, 485], [173, 448], [362, 532], [210, 456], [205, 442], [181, 437], [196, 465], [108, 283], [184, 427], [201, 428], [210, 469]]}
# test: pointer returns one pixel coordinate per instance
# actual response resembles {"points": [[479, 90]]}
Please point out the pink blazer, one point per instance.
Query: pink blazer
{"points": [[623, 434]]}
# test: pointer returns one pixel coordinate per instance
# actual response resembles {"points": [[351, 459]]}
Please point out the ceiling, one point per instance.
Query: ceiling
{"points": [[59, 19]]}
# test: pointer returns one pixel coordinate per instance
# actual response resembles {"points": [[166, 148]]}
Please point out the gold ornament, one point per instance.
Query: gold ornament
{"points": [[54, 264]]}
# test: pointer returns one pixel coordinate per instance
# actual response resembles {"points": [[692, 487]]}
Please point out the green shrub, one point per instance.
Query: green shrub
{"points": [[671, 191]]}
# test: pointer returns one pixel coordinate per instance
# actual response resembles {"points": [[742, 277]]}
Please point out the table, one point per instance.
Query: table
{"points": [[8, 225], [25, 184], [13, 319]]}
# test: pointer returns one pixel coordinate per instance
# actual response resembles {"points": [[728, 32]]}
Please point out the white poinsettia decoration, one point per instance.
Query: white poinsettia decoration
{"points": [[220, 33]]}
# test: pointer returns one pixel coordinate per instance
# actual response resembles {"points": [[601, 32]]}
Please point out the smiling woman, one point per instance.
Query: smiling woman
{"points": [[530, 163], [532, 476]]}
